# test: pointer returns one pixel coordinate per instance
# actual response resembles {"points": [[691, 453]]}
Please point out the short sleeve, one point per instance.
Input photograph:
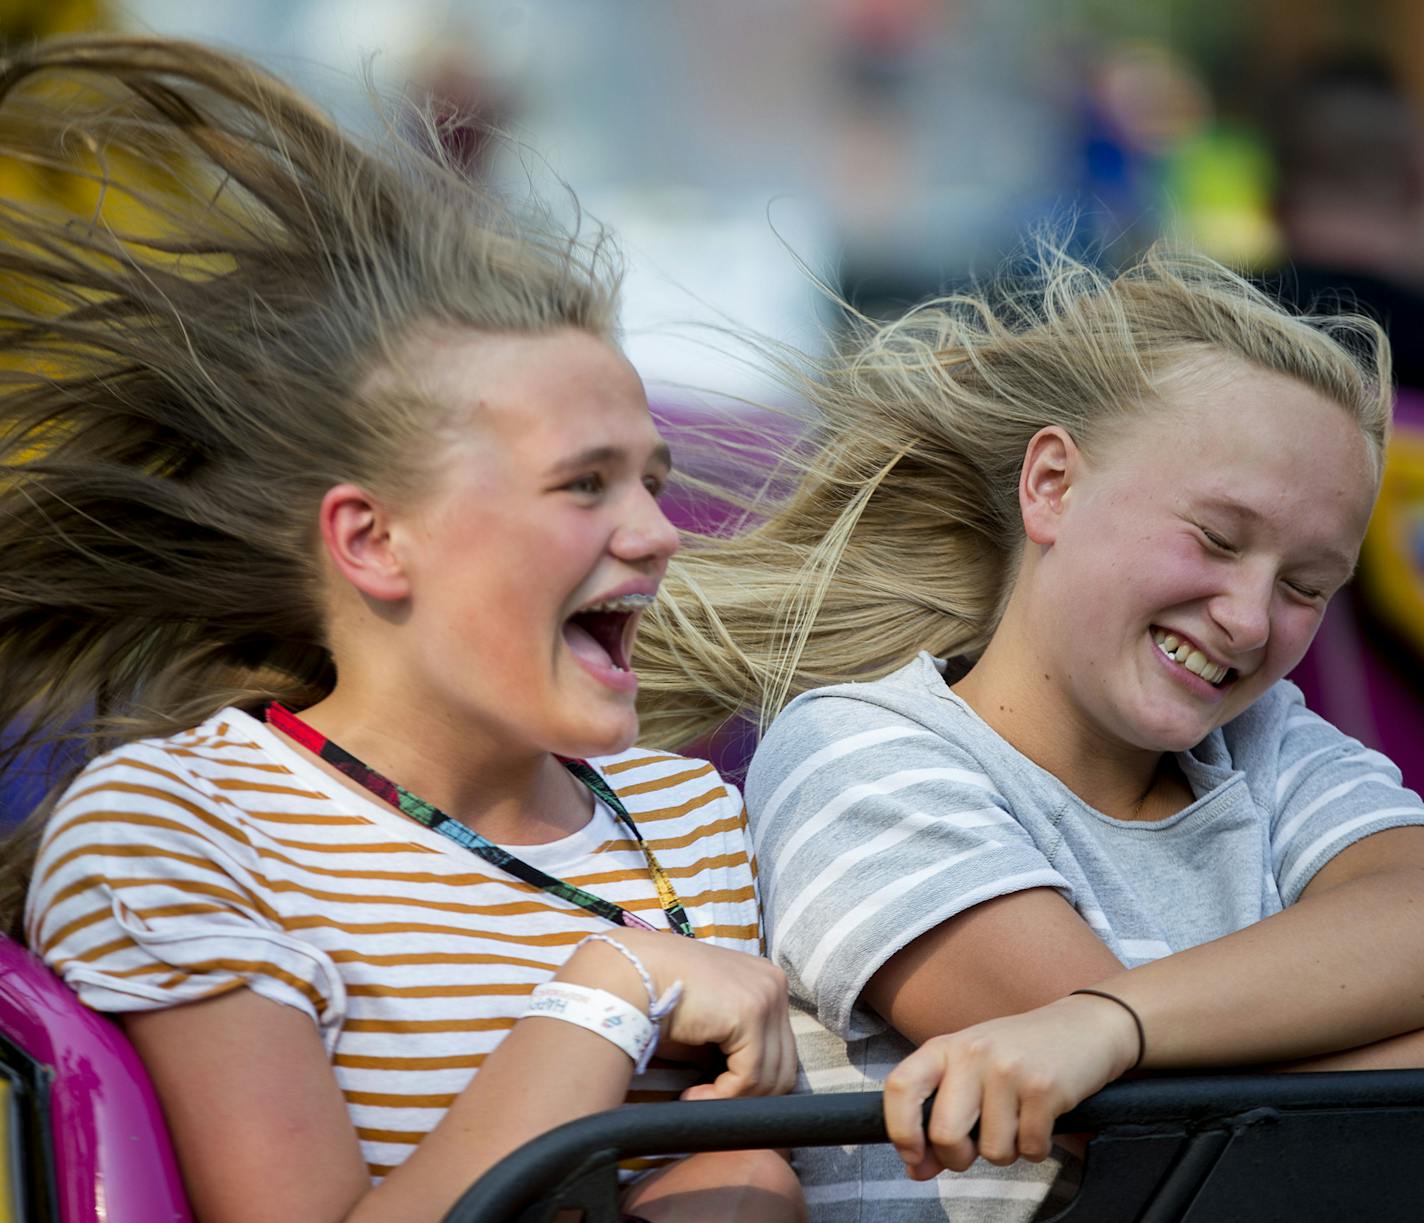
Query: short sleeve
{"points": [[1330, 791], [147, 895], [872, 830], [736, 803]]}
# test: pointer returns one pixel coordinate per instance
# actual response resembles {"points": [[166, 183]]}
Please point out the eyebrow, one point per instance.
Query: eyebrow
{"points": [[1232, 506], [597, 456]]}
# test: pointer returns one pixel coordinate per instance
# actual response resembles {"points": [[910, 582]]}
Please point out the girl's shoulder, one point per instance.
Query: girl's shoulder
{"points": [[913, 701], [1274, 731], [155, 809], [178, 786], [917, 690], [648, 780], [696, 823], [228, 740]]}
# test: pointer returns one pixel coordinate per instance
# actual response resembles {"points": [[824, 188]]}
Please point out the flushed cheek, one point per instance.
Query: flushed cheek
{"points": [[1290, 640]]}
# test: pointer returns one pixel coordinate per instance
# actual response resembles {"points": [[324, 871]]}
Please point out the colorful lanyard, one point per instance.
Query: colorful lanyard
{"points": [[436, 820]]}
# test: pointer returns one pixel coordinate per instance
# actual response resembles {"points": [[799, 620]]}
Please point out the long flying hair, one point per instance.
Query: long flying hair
{"points": [[893, 523], [185, 370]]}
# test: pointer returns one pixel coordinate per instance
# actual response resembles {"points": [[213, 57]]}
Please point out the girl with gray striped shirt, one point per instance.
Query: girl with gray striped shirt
{"points": [[1044, 809]]}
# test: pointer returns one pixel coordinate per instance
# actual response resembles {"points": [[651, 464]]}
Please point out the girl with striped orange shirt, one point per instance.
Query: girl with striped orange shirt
{"points": [[329, 514]]}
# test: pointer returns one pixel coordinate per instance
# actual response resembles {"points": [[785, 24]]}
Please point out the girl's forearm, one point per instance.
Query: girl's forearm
{"points": [[544, 1073], [554, 1078], [1403, 1052], [1341, 969], [1334, 972]]}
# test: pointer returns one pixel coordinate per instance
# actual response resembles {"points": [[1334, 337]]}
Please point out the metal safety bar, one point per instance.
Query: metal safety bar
{"points": [[1288, 1148]]}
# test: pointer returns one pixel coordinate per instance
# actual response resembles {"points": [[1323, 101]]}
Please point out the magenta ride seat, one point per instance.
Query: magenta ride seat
{"points": [[108, 1147]]}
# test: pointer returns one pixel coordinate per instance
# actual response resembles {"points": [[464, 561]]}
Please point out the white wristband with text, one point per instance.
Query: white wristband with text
{"points": [[610, 1016]]}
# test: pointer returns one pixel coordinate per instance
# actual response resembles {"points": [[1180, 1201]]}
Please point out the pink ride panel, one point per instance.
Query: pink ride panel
{"points": [[113, 1158]]}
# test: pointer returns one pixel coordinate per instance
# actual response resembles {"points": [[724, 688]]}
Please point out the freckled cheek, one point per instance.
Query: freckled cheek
{"points": [[1172, 576], [489, 620]]}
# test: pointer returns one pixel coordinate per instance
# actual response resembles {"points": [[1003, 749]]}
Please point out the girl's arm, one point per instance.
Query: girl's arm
{"points": [[262, 1130], [1339, 969], [1006, 955]]}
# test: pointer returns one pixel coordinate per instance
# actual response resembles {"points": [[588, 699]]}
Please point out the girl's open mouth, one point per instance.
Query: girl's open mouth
{"points": [[600, 637], [1182, 652]]}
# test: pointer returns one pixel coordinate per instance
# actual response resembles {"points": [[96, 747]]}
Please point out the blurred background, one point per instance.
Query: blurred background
{"points": [[744, 150]]}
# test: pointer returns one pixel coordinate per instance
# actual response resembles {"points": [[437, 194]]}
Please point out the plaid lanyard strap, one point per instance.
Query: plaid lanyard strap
{"points": [[436, 820]]}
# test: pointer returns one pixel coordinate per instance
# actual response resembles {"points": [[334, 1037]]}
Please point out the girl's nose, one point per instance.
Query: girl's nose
{"points": [[646, 533], [1244, 611]]}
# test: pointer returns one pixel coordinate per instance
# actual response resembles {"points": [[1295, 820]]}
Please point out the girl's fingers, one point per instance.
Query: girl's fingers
{"points": [[771, 1026], [786, 1079], [956, 1109], [1014, 1076], [907, 1088], [757, 1063], [781, 1063], [1037, 1113], [744, 1069], [999, 1119], [770, 1057]]}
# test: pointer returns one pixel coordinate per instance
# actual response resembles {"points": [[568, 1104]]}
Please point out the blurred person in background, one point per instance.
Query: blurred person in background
{"points": [[1349, 203], [1350, 200]]}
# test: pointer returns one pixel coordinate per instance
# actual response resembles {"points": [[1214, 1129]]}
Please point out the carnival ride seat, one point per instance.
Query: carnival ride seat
{"points": [[82, 1138]]}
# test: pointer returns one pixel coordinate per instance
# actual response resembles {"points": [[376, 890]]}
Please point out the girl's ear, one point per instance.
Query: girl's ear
{"points": [[356, 530], [1050, 464]]}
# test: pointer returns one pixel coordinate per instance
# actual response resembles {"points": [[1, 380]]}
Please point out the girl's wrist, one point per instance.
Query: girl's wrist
{"points": [[599, 966], [1113, 1019]]}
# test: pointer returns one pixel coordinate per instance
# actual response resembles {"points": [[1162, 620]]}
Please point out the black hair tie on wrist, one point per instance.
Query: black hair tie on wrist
{"points": [[1136, 1019]]}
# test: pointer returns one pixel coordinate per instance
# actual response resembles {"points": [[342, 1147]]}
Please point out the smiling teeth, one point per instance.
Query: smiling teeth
{"points": [[1195, 661], [624, 603]]}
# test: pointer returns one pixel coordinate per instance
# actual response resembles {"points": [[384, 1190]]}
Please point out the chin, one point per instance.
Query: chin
{"points": [[1183, 743], [1178, 738], [1169, 734], [607, 737]]}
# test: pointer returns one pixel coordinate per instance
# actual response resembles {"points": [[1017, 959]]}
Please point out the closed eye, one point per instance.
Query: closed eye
{"points": [[1217, 542], [1306, 592]]}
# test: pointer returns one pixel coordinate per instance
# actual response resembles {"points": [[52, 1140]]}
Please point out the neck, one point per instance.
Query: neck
{"points": [[509, 795], [1016, 696]]}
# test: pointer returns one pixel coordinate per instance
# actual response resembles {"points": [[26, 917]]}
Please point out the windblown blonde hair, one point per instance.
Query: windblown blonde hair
{"points": [[899, 527], [185, 371]]}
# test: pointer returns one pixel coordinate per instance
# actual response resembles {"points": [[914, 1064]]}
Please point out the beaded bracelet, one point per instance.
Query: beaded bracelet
{"points": [[659, 1005]]}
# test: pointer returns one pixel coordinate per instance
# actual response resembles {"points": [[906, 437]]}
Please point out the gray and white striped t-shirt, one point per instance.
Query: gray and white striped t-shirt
{"points": [[879, 810]]}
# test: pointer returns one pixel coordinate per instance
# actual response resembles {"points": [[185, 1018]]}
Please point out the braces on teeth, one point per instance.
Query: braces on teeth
{"points": [[1182, 653], [622, 603]]}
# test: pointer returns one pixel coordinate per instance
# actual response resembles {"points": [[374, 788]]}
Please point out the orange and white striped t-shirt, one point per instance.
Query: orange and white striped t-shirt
{"points": [[179, 868]]}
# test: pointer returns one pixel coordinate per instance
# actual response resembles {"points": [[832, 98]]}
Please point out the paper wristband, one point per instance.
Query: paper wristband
{"points": [[617, 1021]]}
